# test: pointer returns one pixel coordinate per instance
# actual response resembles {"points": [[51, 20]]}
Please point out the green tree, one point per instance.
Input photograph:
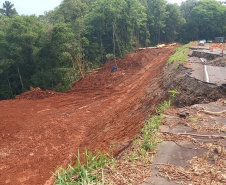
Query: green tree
{"points": [[187, 6], [174, 23], [206, 20], [115, 27], [68, 47], [68, 11], [157, 14], [8, 9], [19, 38]]}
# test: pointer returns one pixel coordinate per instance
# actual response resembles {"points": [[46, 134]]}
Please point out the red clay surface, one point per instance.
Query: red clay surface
{"points": [[40, 130]]}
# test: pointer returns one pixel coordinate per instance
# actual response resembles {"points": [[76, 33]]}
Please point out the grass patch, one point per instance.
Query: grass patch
{"points": [[195, 120], [180, 55], [84, 173]]}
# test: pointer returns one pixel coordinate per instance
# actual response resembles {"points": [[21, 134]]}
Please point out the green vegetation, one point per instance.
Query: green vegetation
{"points": [[8, 9], [195, 119], [150, 131], [173, 93], [180, 55], [84, 173], [53, 50]]}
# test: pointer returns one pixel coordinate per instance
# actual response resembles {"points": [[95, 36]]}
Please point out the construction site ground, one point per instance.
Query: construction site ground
{"points": [[41, 130]]}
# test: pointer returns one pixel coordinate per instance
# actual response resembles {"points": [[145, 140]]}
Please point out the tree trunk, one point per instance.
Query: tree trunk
{"points": [[10, 89], [21, 81], [73, 64], [118, 45], [79, 66], [101, 48], [113, 37], [159, 36]]}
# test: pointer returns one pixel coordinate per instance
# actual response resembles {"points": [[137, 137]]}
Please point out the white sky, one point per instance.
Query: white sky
{"points": [[28, 7], [38, 7]]}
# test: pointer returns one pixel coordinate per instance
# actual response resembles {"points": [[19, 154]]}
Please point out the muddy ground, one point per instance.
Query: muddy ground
{"points": [[41, 130]]}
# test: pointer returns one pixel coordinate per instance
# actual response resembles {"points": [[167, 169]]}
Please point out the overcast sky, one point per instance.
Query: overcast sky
{"points": [[28, 7], [38, 7]]}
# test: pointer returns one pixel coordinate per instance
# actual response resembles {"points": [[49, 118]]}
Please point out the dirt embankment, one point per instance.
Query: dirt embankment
{"points": [[40, 130]]}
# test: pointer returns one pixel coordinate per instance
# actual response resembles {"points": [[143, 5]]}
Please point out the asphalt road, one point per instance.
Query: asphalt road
{"points": [[207, 73], [216, 75]]}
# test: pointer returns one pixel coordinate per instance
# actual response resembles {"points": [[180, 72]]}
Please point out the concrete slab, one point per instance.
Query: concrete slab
{"points": [[180, 128], [198, 71]]}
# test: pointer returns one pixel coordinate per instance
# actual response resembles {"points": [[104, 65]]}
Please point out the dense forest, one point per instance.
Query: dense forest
{"points": [[55, 49]]}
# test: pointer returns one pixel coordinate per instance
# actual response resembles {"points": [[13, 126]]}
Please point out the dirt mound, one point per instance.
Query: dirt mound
{"points": [[37, 94]]}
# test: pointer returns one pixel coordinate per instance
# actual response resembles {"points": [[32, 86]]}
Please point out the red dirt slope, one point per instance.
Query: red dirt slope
{"points": [[37, 134]]}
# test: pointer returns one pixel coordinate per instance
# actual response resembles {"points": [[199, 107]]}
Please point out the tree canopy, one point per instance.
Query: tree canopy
{"points": [[8, 9]]}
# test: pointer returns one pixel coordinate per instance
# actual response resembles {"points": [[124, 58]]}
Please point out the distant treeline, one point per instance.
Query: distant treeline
{"points": [[53, 50]]}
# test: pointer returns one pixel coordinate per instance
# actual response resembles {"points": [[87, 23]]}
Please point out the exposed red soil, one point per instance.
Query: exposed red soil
{"points": [[39, 131], [36, 94]]}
